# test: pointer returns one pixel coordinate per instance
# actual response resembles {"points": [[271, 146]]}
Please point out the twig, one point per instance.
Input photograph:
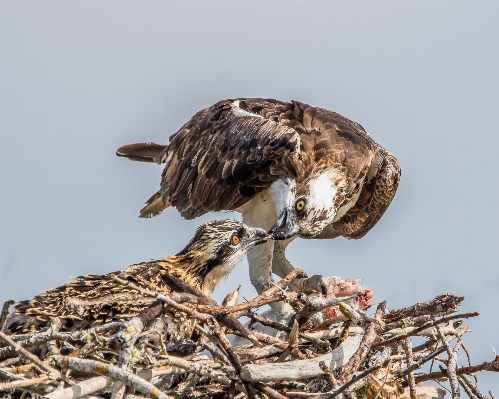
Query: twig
{"points": [[485, 366], [452, 363], [49, 335], [408, 322], [233, 358], [278, 326], [328, 375], [353, 381], [409, 359], [384, 381], [418, 364], [438, 306], [365, 345], [424, 327], [53, 373], [82, 388], [271, 393], [92, 366], [273, 294], [7, 386], [465, 383]]}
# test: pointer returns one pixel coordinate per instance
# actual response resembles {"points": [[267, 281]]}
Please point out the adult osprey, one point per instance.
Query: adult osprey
{"points": [[307, 171]]}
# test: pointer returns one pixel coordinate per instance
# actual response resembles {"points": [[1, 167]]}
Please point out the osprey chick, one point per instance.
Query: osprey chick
{"points": [[214, 251], [296, 169]]}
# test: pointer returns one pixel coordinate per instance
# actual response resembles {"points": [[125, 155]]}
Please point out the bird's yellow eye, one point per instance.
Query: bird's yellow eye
{"points": [[300, 205], [235, 240]]}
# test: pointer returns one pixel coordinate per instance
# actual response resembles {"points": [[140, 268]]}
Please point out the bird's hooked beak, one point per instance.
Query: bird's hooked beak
{"points": [[284, 227], [257, 237]]}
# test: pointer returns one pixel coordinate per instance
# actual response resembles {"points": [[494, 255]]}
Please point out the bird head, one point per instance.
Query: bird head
{"points": [[306, 208], [217, 247]]}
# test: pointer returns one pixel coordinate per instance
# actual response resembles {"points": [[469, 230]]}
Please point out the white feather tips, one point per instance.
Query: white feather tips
{"points": [[241, 112]]}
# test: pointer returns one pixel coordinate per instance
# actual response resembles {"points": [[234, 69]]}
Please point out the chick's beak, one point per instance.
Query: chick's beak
{"points": [[284, 227], [257, 236]]}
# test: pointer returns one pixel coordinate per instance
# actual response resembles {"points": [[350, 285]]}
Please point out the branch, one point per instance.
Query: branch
{"points": [[300, 369], [85, 387], [273, 294], [53, 373], [424, 327], [485, 366], [93, 366], [438, 306], [49, 335], [7, 386], [365, 345]]}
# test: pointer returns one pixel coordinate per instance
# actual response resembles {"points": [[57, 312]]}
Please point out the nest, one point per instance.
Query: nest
{"points": [[179, 348]]}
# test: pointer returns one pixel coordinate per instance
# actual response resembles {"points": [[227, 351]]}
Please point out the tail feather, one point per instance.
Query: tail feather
{"points": [[142, 152], [154, 206]]}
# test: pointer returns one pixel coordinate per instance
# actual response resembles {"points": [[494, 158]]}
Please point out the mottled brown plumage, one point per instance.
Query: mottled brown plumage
{"points": [[209, 257]]}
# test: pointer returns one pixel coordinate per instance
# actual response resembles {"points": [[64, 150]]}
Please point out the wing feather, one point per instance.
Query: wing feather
{"points": [[374, 199], [218, 156]]}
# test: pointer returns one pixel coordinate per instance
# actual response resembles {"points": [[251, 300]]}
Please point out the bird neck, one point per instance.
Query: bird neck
{"points": [[191, 269]]}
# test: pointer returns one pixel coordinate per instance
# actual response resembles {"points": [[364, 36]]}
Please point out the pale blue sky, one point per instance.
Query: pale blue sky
{"points": [[80, 79]]}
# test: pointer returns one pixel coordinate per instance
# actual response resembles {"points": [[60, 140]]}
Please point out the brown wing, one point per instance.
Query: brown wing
{"points": [[374, 199], [226, 154], [234, 149]]}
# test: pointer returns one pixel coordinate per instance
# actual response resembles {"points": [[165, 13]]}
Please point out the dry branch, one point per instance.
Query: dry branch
{"points": [[95, 367]]}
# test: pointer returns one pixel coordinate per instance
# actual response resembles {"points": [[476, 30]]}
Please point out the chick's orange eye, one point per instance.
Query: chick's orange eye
{"points": [[235, 240], [300, 204]]}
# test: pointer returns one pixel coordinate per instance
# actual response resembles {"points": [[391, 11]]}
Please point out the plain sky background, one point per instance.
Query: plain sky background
{"points": [[80, 79]]}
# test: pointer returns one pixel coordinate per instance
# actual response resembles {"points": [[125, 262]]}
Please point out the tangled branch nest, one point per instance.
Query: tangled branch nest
{"points": [[357, 356]]}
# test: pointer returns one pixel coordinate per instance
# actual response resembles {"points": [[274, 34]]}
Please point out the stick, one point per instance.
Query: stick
{"points": [[452, 363], [409, 359], [418, 364], [273, 294], [53, 373], [328, 375], [365, 345], [424, 327], [465, 383], [278, 326], [485, 366], [92, 366], [301, 369], [233, 358], [7, 386], [354, 380], [49, 335], [85, 387], [438, 306]]}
